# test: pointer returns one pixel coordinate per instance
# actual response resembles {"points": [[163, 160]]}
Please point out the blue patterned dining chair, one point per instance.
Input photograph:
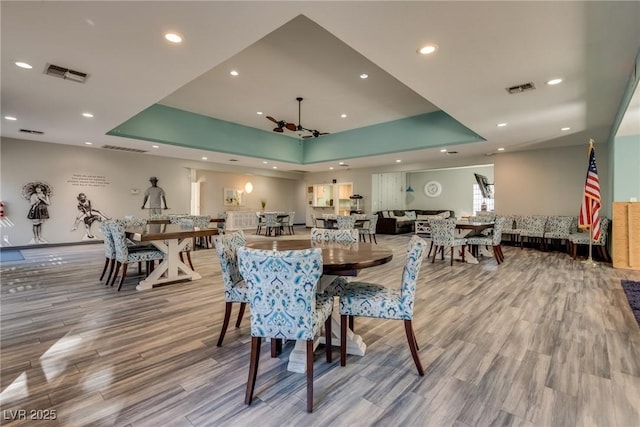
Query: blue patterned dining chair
{"points": [[284, 304], [109, 248], [124, 256], [346, 222], [272, 223], [582, 238], [369, 228], [377, 301], [534, 230], [494, 240], [289, 222], [443, 236], [235, 288], [185, 221], [334, 235]]}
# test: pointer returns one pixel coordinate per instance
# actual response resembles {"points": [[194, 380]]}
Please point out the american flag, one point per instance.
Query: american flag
{"points": [[590, 209]]}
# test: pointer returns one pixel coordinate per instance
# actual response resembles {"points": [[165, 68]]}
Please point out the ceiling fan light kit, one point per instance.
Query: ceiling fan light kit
{"points": [[282, 125]]}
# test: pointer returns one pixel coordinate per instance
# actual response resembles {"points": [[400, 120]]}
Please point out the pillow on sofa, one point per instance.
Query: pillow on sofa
{"points": [[427, 217], [444, 214], [411, 215], [385, 214], [402, 218]]}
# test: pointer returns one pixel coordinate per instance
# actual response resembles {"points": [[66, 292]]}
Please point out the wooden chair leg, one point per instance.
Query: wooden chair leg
{"points": [[225, 322], [104, 270], [574, 250], [411, 339], [189, 258], [327, 340], [451, 256], [115, 273], [352, 323], [374, 239], [276, 347], [496, 255], [253, 369], [310, 375], [112, 265], [243, 305], [124, 274], [343, 340]]}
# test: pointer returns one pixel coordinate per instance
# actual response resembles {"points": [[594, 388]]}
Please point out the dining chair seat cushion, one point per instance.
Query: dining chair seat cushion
{"points": [[372, 300], [144, 255], [480, 241], [337, 286]]}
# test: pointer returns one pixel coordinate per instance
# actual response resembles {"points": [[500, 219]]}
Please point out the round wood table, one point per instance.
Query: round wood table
{"points": [[341, 259]]}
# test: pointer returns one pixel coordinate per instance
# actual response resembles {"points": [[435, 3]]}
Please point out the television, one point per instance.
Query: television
{"points": [[485, 187]]}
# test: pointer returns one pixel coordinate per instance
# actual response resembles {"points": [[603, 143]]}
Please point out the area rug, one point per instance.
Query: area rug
{"points": [[11, 255], [632, 290]]}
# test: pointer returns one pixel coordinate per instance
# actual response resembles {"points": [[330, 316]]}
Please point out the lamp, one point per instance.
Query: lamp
{"points": [[409, 189], [248, 187]]}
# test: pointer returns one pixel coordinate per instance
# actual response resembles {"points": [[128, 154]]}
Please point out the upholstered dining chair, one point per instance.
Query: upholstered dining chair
{"points": [[346, 222], [271, 223], [260, 222], [201, 221], [284, 304], [534, 230], [334, 235], [558, 229], [289, 222], [494, 240], [576, 239], [109, 248], [235, 288], [124, 256], [443, 236], [377, 301], [369, 228]]}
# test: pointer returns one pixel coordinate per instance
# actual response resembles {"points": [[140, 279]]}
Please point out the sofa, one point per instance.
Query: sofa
{"points": [[403, 221]]}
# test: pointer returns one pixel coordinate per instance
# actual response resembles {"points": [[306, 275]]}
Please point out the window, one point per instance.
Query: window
{"points": [[477, 200]]}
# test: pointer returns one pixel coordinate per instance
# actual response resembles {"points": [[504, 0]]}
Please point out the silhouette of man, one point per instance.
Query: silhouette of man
{"points": [[155, 196]]}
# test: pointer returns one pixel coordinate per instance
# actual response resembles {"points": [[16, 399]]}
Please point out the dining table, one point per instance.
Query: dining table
{"points": [[171, 239], [333, 222], [338, 259], [472, 228]]}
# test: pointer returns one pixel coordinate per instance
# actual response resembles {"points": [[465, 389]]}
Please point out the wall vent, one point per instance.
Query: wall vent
{"points": [[66, 73], [521, 88], [114, 147], [33, 132]]}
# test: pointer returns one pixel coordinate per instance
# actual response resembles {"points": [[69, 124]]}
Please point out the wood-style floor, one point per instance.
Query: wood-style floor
{"points": [[540, 340]]}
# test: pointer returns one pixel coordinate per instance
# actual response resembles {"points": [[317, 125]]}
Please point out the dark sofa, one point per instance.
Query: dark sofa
{"points": [[399, 224]]}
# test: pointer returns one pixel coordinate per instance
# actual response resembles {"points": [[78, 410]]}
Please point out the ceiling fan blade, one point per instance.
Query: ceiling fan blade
{"points": [[292, 127], [272, 119], [279, 130]]}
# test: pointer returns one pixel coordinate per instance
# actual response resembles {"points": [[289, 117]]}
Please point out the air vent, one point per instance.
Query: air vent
{"points": [[65, 73], [132, 150], [33, 132], [233, 160], [521, 88], [452, 152]]}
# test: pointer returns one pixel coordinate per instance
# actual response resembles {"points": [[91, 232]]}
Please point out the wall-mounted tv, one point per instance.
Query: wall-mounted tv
{"points": [[485, 187]]}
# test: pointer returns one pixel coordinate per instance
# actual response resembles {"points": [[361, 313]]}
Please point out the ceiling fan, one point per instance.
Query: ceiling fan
{"points": [[282, 125]]}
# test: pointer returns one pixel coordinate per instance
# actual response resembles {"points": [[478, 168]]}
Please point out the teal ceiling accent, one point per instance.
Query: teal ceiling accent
{"points": [[429, 130], [168, 125], [173, 126]]}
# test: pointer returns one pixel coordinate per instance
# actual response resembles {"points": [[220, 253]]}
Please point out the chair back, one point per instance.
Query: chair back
{"points": [[282, 291], [130, 221], [604, 226], [415, 254], [346, 222], [201, 221], [119, 240], [226, 247], [373, 222], [334, 235], [109, 247], [291, 219], [443, 231], [271, 219], [496, 237], [222, 226]]}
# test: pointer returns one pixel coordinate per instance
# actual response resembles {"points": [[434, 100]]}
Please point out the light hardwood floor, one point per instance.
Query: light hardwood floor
{"points": [[540, 340]]}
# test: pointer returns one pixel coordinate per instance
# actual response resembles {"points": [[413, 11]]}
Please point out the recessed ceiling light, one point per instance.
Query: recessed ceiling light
{"points": [[234, 73], [10, 118], [204, 158], [364, 76], [265, 162], [428, 49], [563, 129], [259, 113], [444, 150], [23, 65], [88, 143], [155, 146], [173, 37], [89, 115], [341, 163], [330, 168], [398, 161], [275, 167], [554, 82], [343, 116], [501, 125], [500, 149]]}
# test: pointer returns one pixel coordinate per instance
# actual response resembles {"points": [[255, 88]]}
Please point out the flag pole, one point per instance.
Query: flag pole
{"points": [[589, 259]]}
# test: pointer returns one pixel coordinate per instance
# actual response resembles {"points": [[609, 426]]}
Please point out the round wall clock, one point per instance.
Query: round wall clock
{"points": [[432, 189]]}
